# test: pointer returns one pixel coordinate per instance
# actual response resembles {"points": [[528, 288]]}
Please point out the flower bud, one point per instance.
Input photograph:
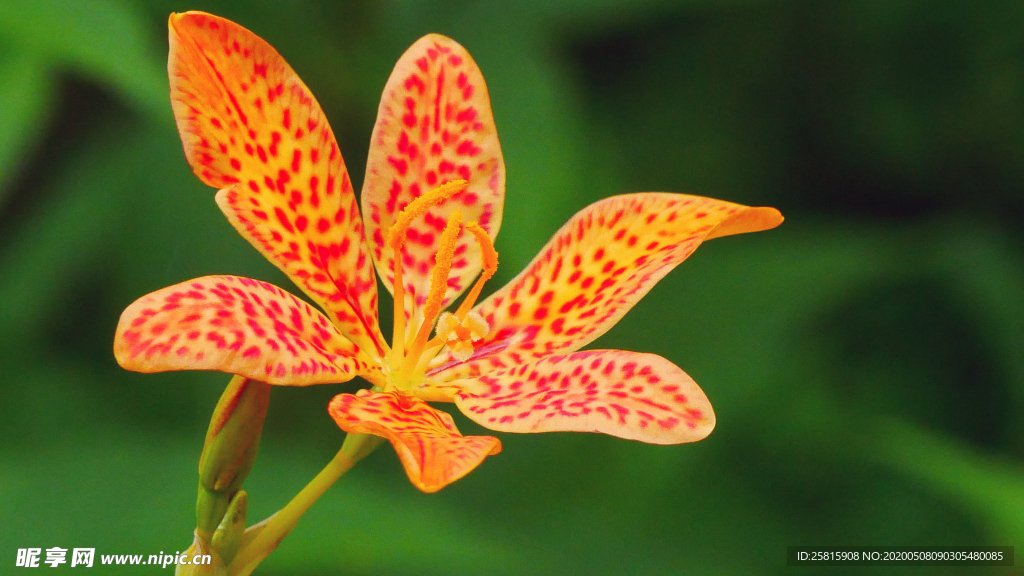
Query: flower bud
{"points": [[228, 537], [232, 442]]}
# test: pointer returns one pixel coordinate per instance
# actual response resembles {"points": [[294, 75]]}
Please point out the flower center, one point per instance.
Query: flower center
{"points": [[408, 360]]}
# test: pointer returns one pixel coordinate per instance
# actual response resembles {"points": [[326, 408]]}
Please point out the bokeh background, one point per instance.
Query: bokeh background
{"points": [[865, 359]]}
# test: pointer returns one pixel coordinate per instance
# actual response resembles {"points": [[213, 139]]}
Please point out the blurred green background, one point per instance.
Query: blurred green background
{"points": [[865, 360]]}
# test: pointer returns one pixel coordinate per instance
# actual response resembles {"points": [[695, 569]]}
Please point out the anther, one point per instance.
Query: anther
{"points": [[438, 283], [442, 266], [396, 236]]}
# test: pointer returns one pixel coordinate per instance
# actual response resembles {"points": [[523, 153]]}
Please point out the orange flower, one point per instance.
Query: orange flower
{"points": [[432, 196]]}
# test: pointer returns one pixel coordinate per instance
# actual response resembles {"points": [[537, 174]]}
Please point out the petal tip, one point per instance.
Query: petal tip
{"points": [[435, 37], [176, 19], [752, 219], [772, 216], [496, 447]]}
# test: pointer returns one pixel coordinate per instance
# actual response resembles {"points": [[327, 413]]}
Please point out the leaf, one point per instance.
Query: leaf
{"points": [[76, 219], [104, 39], [990, 488], [26, 101]]}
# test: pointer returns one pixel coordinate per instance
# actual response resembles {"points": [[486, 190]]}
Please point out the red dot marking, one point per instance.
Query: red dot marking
{"points": [[283, 219]]}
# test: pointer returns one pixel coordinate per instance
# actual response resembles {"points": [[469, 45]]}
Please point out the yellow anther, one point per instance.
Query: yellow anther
{"points": [[438, 284], [396, 235], [458, 330], [442, 266], [489, 257]]}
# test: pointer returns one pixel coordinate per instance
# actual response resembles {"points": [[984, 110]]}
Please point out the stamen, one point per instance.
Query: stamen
{"points": [[458, 331], [396, 237], [438, 283], [490, 261], [442, 266]]}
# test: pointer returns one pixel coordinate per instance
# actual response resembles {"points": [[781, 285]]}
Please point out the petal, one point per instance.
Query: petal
{"points": [[236, 325], [250, 126], [434, 125], [626, 394], [429, 445], [601, 263]]}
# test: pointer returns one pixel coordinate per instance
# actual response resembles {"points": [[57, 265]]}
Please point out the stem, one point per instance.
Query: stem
{"points": [[355, 448]]}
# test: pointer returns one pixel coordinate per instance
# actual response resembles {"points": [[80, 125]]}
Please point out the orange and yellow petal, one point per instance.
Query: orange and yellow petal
{"points": [[252, 128], [240, 326], [600, 264], [626, 394], [429, 445], [434, 125]]}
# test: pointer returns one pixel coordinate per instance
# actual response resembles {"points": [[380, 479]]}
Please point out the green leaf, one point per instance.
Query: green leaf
{"points": [[65, 235], [990, 488], [26, 102], [104, 39]]}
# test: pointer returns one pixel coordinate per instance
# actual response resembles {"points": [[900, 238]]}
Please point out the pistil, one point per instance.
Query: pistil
{"points": [[489, 256], [464, 327]]}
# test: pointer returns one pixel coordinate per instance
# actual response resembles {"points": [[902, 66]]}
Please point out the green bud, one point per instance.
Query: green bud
{"points": [[228, 537], [232, 442]]}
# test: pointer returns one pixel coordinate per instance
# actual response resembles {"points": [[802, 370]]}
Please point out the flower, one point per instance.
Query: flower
{"points": [[432, 196]]}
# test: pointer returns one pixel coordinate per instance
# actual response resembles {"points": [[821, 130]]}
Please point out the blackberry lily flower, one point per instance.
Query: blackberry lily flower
{"points": [[432, 199]]}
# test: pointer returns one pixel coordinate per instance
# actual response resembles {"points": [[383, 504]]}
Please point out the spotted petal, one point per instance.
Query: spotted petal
{"points": [[250, 126], [434, 125], [429, 445], [236, 325], [600, 264], [626, 394]]}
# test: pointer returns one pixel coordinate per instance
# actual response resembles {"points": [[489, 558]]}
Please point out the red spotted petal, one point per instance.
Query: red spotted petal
{"points": [[626, 394], [429, 445], [239, 326], [250, 126], [434, 125], [601, 263]]}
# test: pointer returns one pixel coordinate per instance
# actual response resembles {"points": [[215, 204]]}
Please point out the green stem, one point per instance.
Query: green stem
{"points": [[274, 529]]}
